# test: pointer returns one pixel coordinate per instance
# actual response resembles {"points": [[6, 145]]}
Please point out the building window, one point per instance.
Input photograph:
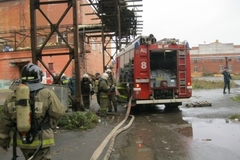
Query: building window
{"points": [[195, 61], [40, 40], [230, 67], [213, 60], [100, 48], [238, 59], [221, 68], [93, 45], [60, 40], [195, 69], [220, 60], [50, 66]]}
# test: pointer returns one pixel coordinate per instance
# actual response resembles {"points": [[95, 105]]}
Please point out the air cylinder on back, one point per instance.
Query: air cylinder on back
{"points": [[23, 110]]}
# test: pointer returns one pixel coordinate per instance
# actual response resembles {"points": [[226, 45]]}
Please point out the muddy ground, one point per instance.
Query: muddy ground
{"points": [[193, 133]]}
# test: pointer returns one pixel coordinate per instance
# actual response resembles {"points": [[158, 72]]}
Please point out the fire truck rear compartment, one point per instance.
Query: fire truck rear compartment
{"points": [[163, 73]]}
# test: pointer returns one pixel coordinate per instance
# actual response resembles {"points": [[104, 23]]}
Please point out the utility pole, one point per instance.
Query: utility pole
{"points": [[226, 59]]}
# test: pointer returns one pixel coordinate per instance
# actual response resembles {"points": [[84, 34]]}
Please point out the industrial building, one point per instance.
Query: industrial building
{"points": [[212, 58]]}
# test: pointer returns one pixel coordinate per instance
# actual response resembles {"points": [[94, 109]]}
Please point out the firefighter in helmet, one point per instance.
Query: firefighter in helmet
{"points": [[103, 89], [95, 86], [72, 87], [86, 91], [111, 92], [40, 109]]}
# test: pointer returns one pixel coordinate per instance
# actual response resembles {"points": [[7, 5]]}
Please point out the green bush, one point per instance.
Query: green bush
{"points": [[207, 74], [78, 120]]}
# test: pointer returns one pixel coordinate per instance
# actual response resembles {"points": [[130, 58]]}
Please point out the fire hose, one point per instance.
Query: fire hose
{"points": [[112, 135]]}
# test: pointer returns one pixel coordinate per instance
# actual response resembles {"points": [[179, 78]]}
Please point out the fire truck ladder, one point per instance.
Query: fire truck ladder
{"points": [[182, 72]]}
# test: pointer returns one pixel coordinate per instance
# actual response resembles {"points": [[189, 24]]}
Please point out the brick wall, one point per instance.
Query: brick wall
{"points": [[17, 16], [213, 58]]}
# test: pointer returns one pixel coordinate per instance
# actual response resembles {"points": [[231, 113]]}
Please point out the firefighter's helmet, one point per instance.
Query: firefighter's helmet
{"points": [[104, 76], [31, 73], [108, 71], [85, 75]]}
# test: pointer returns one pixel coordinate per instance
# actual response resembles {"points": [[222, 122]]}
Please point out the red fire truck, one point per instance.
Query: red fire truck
{"points": [[155, 72]]}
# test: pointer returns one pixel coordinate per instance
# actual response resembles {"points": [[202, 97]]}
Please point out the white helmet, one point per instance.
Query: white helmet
{"points": [[104, 76], [85, 75], [108, 70]]}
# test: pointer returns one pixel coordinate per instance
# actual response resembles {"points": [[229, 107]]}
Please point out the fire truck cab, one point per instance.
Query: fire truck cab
{"points": [[155, 72]]}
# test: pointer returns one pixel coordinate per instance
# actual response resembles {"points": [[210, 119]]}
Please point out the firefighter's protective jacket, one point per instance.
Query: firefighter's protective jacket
{"points": [[46, 103], [103, 88], [112, 82], [95, 85]]}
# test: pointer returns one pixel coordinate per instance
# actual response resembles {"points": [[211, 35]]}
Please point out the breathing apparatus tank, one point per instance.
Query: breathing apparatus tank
{"points": [[23, 110]]}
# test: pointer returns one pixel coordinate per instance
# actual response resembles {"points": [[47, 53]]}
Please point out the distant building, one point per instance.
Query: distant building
{"points": [[208, 59]]}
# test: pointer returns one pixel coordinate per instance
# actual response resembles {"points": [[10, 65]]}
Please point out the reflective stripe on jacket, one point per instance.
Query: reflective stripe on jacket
{"points": [[103, 88], [47, 136], [46, 103]]}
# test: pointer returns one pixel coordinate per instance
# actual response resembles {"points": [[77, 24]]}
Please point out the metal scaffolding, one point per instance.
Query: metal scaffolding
{"points": [[118, 25]]}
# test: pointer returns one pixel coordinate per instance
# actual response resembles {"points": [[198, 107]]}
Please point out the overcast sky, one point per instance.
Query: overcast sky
{"points": [[197, 21]]}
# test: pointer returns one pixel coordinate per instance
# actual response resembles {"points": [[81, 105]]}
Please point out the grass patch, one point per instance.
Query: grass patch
{"points": [[236, 98], [236, 77], [235, 116], [78, 121], [206, 84]]}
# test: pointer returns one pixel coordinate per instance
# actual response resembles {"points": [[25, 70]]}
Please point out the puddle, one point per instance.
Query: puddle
{"points": [[219, 132]]}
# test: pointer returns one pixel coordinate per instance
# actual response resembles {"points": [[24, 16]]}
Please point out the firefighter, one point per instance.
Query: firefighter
{"points": [[95, 86], [64, 79], [40, 110], [103, 89], [111, 92], [86, 91], [72, 87]]}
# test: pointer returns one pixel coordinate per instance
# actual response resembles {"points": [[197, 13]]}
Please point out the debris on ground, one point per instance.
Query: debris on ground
{"points": [[199, 104]]}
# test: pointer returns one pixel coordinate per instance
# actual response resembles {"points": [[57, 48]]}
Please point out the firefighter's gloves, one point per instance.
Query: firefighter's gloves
{"points": [[112, 88]]}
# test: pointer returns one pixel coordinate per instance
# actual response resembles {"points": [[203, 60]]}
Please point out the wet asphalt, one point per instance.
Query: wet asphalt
{"points": [[191, 133], [194, 133]]}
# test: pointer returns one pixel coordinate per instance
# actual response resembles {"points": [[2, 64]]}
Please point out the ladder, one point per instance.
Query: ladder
{"points": [[182, 72]]}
